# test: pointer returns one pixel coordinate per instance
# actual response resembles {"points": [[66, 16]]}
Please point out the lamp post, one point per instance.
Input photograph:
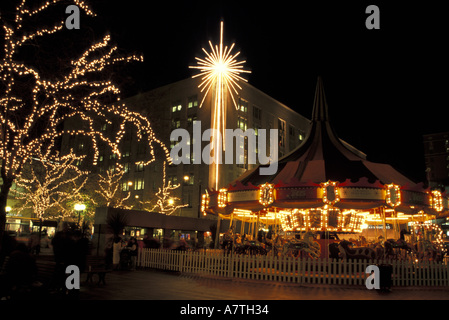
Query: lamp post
{"points": [[79, 207]]}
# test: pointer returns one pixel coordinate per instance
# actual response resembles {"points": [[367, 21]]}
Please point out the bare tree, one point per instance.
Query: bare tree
{"points": [[165, 201], [112, 188], [35, 104], [47, 186]]}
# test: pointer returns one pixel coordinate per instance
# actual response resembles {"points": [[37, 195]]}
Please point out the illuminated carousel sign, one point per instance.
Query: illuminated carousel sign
{"points": [[327, 206]]}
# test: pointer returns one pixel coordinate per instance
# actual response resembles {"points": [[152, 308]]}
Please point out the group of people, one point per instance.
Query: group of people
{"points": [[122, 254], [18, 268]]}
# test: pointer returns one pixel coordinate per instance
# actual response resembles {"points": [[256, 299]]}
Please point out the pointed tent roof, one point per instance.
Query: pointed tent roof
{"points": [[323, 157]]}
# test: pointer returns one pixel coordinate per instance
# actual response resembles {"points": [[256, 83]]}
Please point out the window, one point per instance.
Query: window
{"points": [[126, 167], [176, 106], [139, 167], [192, 102], [176, 123], [173, 144], [139, 184], [243, 105], [242, 123], [257, 113], [126, 185], [188, 179], [281, 130], [190, 119], [242, 161], [173, 180], [291, 131]]}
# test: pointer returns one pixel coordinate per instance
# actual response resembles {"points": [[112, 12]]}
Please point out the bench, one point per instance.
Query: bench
{"points": [[46, 272], [46, 283], [50, 277], [96, 265]]}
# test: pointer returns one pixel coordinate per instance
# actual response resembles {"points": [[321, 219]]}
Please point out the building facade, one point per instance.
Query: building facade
{"points": [[178, 106], [436, 154]]}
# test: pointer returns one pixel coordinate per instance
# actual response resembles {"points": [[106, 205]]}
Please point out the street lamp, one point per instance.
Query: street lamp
{"points": [[79, 207]]}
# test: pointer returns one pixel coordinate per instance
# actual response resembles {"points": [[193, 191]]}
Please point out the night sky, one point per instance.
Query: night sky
{"points": [[385, 88]]}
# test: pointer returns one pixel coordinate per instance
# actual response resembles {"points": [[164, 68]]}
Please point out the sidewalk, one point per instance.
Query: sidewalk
{"points": [[148, 284]]}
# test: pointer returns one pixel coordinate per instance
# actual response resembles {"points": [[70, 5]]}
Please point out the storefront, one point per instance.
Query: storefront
{"points": [[167, 230]]}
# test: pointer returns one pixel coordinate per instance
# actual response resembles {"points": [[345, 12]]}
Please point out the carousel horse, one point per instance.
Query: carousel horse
{"points": [[251, 248], [397, 248], [307, 245], [362, 253]]}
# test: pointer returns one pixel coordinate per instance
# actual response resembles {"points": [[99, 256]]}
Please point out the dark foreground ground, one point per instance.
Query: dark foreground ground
{"points": [[158, 285]]}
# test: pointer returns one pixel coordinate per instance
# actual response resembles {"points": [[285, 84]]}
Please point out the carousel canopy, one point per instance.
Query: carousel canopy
{"points": [[323, 174], [323, 157]]}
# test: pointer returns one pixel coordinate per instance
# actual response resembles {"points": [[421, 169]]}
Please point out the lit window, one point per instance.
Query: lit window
{"points": [[191, 119], [125, 186], [176, 107], [139, 184], [192, 102], [139, 167], [243, 105], [126, 167], [242, 123]]}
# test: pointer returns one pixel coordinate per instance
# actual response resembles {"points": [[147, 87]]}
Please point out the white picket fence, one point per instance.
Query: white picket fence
{"points": [[287, 269]]}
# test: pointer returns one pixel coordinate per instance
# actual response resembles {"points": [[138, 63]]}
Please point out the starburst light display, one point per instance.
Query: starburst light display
{"points": [[220, 72]]}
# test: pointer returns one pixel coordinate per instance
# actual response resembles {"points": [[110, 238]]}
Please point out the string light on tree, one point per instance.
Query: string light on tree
{"points": [[165, 200], [76, 93], [112, 187], [47, 186]]}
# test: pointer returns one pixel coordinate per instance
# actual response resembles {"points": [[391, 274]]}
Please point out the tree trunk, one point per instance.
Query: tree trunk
{"points": [[4, 191]]}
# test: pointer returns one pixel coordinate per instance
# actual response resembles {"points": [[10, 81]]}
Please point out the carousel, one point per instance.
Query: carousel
{"points": [[324, 189]]}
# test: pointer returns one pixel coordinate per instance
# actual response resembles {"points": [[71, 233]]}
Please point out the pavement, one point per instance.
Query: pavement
{"points": [[174, 295], [179, 296], [150, 284]]}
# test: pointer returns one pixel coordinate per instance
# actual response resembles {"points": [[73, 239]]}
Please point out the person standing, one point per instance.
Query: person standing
{"points": [[116, 248], [132, 246]]}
